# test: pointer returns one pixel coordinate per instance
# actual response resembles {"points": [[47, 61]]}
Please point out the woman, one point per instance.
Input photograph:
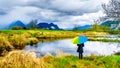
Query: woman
{"points": [[80, 50]]}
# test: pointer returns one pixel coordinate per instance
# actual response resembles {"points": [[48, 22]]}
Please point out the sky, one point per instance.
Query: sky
{"points": [[64, 13]]}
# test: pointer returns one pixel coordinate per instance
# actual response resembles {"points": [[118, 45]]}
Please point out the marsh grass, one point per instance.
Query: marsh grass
{"points": [[31, 41], [4, 45], [17, 59], [21, 59], [18, 39], [104, 40]]}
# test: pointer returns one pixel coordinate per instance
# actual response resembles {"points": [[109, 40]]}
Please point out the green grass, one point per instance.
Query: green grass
{"points": [[18, 39], [114, 31], [104, 40], [16, 59], [86, 62]]}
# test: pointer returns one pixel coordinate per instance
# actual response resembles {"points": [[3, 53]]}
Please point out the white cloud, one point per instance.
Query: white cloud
{"points": [[71, 21], [18, 13], [10, 4], [65, 13], [48, 14], [78, 6], [69, 6]]}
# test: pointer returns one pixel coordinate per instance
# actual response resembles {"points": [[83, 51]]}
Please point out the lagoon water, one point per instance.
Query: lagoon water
{"points": [[65, 46]]}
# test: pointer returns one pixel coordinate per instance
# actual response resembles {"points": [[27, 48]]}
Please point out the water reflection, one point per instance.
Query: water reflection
{"points": [[65, 46]]}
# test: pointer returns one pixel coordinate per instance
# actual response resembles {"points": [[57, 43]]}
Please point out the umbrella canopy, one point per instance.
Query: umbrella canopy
{"points": [[79, 40]]}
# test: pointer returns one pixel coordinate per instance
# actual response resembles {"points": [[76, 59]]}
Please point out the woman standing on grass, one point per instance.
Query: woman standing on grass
{"points": [[80, 50]]}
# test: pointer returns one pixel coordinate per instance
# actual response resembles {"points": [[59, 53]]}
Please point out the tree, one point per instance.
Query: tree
{"points": [[96, 27], [112, 9], [32, 24], [18, 28], [75, 27]]}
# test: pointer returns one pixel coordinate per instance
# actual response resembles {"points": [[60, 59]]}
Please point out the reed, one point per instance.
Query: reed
{"points": [[21, 59]]}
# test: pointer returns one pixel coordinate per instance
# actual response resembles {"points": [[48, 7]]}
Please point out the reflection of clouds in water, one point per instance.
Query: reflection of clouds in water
{"points": [[102, 48], [29, 48], [97, 48]]}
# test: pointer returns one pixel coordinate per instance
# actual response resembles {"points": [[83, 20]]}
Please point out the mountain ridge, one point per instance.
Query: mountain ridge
{"points": [[113, 25], [16, 23]]}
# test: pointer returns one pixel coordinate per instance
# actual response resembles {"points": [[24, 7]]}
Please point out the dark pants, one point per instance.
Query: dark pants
{"points": [[80, 55]]}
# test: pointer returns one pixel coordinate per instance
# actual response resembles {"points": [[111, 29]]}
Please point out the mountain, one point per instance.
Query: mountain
{"points": [[114, 25], [44, 25], [68, 29], [1, 27], [79, 27], [32, 24], [16, 23], [84, 27]]}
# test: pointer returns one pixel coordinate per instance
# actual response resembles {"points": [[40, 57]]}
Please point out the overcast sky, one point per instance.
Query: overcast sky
{"points": [[64, 13]]}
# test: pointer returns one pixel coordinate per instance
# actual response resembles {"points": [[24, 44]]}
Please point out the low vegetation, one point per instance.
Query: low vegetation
{"points": [[20, 59], [18, 39], [104, 40]]}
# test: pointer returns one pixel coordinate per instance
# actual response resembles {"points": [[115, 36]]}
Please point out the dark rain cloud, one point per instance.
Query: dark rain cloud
{"points": [[70, 7], [2, 12]]}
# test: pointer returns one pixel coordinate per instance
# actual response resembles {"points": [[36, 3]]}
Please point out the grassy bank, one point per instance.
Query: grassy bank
{"points": [[104, 40], [19, 59], [18, 39]]}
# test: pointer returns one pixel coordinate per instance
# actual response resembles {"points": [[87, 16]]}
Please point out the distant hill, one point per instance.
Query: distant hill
{"points": [[114, 25], [16, 23], [44, 25], [80, 27], [1, 27], [68, 29], [84, 27]]}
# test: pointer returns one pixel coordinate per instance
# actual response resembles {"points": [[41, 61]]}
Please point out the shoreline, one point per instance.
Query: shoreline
{"points": [[18, 39], [17, 59]]}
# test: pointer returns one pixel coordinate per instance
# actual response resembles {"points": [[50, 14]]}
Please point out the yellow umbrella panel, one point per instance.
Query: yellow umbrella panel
{"points": [[75, 40]]}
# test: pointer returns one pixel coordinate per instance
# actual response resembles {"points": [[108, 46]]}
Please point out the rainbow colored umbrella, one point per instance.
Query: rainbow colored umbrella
{"points": [[79, 40]]}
